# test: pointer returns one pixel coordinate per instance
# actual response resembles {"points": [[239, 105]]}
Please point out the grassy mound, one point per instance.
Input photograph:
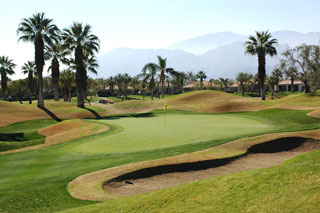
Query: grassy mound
{"points": [[22, 134]]}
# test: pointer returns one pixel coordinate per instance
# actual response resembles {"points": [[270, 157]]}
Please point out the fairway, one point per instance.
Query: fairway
{"points": [[161, 131]]}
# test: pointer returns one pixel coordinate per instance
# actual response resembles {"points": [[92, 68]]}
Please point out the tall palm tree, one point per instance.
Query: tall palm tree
{"points": [[201, 75], [6, 68], [78, 38], [40, 31], [261, 45], [162, 66], [150, 71], [29, 69], [57, 54]]}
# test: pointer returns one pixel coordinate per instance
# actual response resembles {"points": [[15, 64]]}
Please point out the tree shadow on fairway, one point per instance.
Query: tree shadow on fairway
{"points": [[51, 114], [93, 112]]}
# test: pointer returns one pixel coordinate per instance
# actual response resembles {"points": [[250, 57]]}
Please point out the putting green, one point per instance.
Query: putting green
{"points": [[145, 133]]}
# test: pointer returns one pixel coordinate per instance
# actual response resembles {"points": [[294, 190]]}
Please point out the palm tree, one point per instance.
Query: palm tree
{"points": [[111, 82], [243, 78], [201, 75], [223, 83], [118, 79], [274, 79], [290, 70], [134, 83], [150, 70], [56, 53], [78, 38], [40, 31], [261, 45], [162, 66], [126, 80], [6, 68], [66, 82], [29, 69]]}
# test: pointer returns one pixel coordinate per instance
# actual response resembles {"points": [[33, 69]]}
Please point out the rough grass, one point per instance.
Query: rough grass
{"points": [[218, 102]]}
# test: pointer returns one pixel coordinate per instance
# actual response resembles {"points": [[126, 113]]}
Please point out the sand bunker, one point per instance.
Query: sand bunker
{"points": [[262, 155]]}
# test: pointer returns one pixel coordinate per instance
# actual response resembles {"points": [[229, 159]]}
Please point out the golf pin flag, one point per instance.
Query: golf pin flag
{"points": [[165, 106]]}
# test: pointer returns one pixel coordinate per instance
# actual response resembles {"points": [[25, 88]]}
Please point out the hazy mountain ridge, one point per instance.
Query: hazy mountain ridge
{"points": [[201, 44], [226, 60]]}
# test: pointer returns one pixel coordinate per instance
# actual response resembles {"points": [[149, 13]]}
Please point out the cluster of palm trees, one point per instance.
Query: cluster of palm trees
{"points": [[74, 46]]}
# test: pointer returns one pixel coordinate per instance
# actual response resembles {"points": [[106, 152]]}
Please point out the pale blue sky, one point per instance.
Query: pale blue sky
{"points": [[156, 24]]}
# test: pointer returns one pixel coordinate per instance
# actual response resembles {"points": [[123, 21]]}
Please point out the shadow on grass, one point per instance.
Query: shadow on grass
{"points": [[93, 112], [140, 115], [51, 114]]}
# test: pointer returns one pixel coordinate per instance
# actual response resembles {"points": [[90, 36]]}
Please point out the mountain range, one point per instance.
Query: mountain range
{"points": [[218, 54]]}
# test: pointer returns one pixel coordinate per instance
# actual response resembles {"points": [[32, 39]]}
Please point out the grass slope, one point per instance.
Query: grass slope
{"points": [[23, 134], [292, 187], [37, 180]]}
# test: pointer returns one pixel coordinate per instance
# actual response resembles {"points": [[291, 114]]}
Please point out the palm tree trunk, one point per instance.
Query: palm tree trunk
{"points": [[262, 74], [242, 89], [152, 95], [162, 87], [40, 91], [39, 60], [79, 76], [55, 78], [69, 95], [272, 91], [4, 85], [30, 78], [292, 85]]}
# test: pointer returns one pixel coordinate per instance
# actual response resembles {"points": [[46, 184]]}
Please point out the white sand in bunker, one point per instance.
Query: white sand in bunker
{"points": [[262, 155]]}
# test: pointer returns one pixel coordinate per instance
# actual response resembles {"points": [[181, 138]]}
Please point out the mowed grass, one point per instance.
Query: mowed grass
{"points": [[37, 180], [291, 187], [143, 133], [24, 134]]}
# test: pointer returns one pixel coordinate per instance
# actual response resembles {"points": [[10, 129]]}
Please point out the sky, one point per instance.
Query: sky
{"points": [[155, 24]]}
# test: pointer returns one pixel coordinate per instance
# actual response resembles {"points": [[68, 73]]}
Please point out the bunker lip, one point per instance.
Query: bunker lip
{"points": [[267, 154]]}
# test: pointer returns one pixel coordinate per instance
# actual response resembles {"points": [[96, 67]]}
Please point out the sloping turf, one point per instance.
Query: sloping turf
{"points": [[37, 180]]}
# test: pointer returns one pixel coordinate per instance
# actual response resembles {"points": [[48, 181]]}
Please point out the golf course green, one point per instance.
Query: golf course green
{"points": [[143, 133]]}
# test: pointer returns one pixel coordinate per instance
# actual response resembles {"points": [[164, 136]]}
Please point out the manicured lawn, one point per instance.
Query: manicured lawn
{"points": [[37, 180], [169, 130]]}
